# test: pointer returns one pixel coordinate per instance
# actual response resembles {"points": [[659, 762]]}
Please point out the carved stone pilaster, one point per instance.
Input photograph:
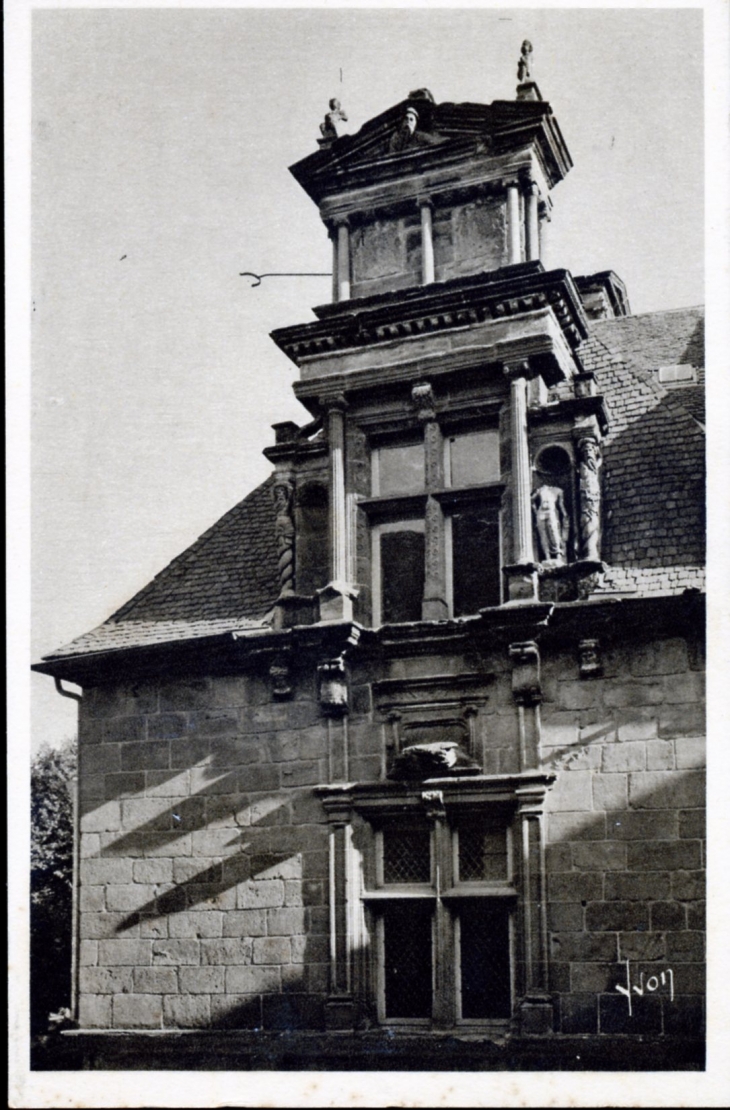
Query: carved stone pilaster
{"points": [[535, 1010], [589, 498], [434, 594], [284, 526]]}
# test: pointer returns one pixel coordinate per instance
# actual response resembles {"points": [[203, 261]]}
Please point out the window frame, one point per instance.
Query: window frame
{"points": [[445, 943]]}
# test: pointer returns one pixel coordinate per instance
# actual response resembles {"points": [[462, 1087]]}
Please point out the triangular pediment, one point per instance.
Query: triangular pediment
{"points": [[383, 147]]}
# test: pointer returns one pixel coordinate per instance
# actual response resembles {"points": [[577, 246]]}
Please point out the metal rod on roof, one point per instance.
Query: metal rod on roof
{"points": [[259, 277]]}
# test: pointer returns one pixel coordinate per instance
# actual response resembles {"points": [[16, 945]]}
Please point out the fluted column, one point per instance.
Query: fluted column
{"points": [[342, 265], [336, 598], [532, 223], [335, 280], [513, 225], [521, 508], [522, 577], [428, 272]]}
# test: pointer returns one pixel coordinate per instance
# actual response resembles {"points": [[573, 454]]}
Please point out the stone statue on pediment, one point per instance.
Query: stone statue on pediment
{"points": [[331, 128], [523, 65]]}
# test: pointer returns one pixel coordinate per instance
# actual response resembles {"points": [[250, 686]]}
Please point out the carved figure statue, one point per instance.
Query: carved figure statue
{"points": [[336, 115], [523, 65], [589, 492], [405, 135], [552, 522], [284, 525]]}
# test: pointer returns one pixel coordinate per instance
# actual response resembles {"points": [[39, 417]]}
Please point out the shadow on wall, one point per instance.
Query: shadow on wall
{"points": [[205, 881], [625, 861], [204, 884]]}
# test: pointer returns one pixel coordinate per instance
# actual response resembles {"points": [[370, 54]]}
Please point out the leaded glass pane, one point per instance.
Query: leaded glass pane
{"points": [[482, 853], [406, 856]]}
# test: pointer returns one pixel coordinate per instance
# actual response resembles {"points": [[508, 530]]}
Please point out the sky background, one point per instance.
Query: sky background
{"points": [[160, 146]]}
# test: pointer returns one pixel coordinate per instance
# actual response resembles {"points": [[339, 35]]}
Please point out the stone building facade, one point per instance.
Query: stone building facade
{"points": [[409, 745]]}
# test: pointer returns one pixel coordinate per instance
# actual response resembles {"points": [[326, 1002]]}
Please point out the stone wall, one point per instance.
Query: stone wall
{"points": [[468, 239], [204, 862], [204, 869], [626, 839]]}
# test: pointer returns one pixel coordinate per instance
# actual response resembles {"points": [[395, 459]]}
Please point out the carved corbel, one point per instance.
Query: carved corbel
{"points": [[590, 661], [526, 688], [333, 687], [433, 803], [424, 401], [279, 674]]}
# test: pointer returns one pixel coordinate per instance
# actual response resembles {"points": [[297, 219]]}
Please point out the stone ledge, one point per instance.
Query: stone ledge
{"points": [[241, 1050]]}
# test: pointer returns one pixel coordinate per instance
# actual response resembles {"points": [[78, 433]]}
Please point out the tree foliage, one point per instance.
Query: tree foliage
{"points": [[53, 772]]}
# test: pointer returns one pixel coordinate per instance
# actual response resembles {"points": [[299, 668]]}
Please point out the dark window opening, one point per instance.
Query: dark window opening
{"points": [[402, 574], [485, 974], [476, 564], [408, 960]]}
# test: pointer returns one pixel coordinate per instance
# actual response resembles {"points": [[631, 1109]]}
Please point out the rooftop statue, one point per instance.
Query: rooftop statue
{"points": [[331, 127], [523, 65]]}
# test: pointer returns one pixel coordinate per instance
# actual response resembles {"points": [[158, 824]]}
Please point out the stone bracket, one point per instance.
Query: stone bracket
{"points": [[279, 673], [590, 659], [526, 688]]}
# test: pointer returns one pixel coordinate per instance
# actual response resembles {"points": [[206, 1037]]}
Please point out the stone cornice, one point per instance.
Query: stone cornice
{"points": [[609, 619], [438, 307]]}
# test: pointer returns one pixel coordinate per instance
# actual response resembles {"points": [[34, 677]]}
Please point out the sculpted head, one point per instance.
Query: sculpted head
{"points": [[411, 119]]}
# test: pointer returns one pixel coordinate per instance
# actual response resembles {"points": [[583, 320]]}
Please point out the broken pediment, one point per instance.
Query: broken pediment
{"points": [[434, 760]]}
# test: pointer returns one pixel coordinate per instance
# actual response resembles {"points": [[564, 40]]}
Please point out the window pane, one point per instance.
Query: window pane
{"points": [[475, 458], [407, 856], [475, 557], [402, 574], [485, 983], [401, 469], [482, 853], [408, 976]]}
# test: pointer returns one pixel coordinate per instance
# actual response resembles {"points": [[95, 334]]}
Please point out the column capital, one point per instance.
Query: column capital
{"points": [[333, 402], [341, 221], [423, 401], [425, 200], [518, 369]]}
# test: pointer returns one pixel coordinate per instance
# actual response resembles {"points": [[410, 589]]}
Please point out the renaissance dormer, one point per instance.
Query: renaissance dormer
{"points": [[431, 192]]}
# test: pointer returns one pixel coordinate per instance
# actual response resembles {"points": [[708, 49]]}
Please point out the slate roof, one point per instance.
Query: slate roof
{"points": [[653, 487], [654, 454]]}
